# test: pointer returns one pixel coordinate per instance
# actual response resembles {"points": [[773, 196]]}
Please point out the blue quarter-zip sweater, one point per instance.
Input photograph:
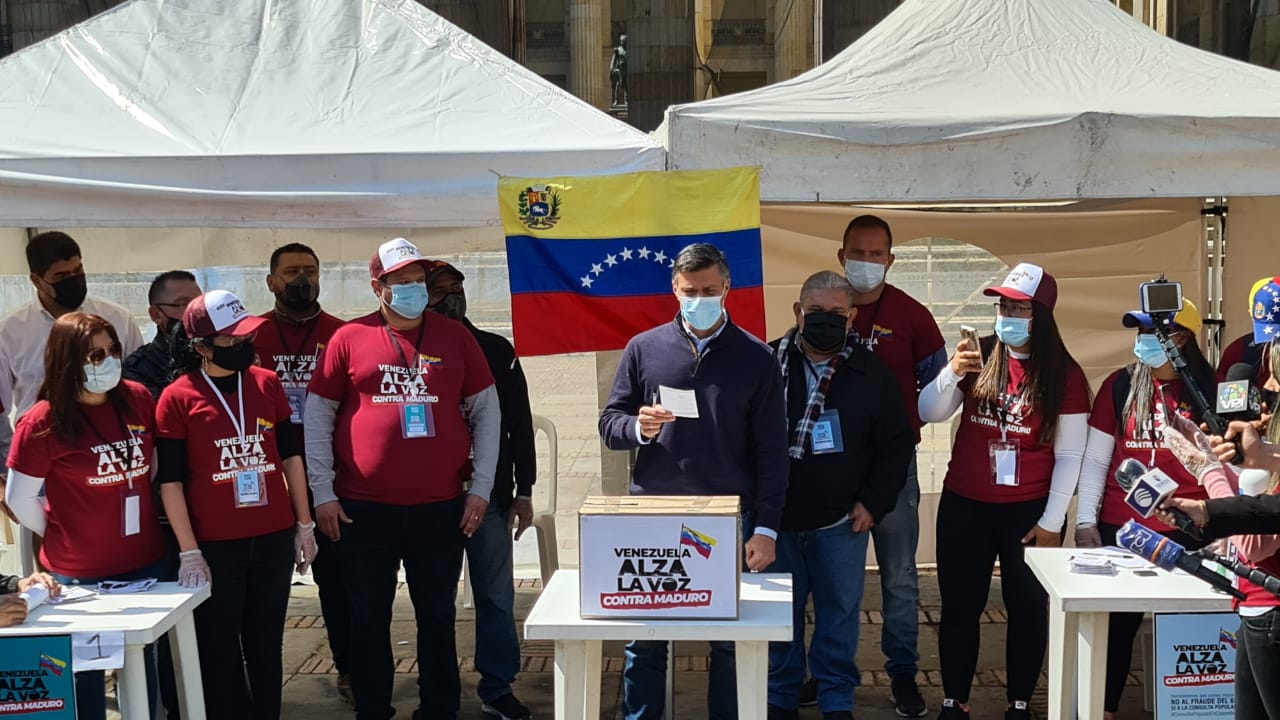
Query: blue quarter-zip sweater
{"points": [[738, 443]]}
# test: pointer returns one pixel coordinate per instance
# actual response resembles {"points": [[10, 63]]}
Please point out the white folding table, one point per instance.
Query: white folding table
{"points": [[764, 616], [143, 618], [1078, 609]]}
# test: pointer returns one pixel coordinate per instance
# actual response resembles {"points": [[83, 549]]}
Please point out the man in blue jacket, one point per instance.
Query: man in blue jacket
{"points": [[737, 444]]}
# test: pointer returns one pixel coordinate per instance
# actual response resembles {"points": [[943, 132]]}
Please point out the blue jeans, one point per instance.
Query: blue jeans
{"points": [[493, 587], [91, 686], [896, 537], [829, 564], [644, 674], [427, 540]]}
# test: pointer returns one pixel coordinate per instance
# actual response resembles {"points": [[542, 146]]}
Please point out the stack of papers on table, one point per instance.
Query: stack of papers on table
{"points": [[1089, 565], [39, 595]]}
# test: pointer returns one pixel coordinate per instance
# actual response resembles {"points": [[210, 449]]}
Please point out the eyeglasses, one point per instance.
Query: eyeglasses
{"points": [[97, 355], [1012, 310], [224, 341]]}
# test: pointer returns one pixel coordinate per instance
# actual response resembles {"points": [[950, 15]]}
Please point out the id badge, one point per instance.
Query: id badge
{"points": [[250, 491], [1004, 463], [297, 400], [417, 421], [826, 437], [131, 514]]}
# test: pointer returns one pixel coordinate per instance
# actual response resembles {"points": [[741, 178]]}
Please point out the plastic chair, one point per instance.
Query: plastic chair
{"points": [[544, 521]]}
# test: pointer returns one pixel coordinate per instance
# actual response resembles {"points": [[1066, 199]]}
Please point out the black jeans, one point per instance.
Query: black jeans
{"points": [[1122, 628], [1258, 667], [428, 541], [971, 535], [334, 605], [240, 628]]}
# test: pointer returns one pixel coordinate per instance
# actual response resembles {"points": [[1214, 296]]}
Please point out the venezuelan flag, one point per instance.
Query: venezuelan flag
{"points": [[699, 542], [590, 258], [265, 425], [1226, 637], [52, 664]]}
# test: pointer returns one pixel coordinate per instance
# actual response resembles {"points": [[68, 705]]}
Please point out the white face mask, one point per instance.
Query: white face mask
{"points": [[864, 276], [101, 378]]}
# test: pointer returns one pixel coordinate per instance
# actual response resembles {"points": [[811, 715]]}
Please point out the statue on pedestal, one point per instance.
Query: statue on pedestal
{"points": [[618, 73]]}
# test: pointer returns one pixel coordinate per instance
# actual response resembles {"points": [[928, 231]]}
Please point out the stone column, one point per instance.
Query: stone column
{"points": [[793, 31], [587, 36], [661, 59]]}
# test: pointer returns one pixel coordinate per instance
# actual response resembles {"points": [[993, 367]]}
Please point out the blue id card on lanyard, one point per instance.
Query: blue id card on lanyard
{"points": [[417, 421], [826, 437]]}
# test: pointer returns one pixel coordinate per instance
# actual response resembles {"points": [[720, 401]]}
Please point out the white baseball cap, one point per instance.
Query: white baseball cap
{"points": [[218, 312], [393, 255]]}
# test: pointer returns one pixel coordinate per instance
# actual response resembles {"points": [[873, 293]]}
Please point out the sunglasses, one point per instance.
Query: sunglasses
{"points": [[97, 355]]}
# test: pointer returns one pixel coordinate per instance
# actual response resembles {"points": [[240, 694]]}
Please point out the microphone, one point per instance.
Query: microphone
{"points": [[1167, 555], [1261, 578], [1238, 397], [1146, 490]]}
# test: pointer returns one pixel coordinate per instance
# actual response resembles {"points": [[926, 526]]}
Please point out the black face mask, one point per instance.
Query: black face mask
{"points": [[824, 331], [235, 359], [300, 294], [70, 292], [453, 305]]}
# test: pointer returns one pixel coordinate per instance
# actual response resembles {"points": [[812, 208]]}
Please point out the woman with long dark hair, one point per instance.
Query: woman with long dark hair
{"points": [[1134, 405], [1013, 470], [233, 486], [88, 444]]}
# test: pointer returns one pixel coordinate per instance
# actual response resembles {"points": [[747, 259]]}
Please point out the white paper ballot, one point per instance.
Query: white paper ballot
{"points": [[681, 403], [39, 595]]}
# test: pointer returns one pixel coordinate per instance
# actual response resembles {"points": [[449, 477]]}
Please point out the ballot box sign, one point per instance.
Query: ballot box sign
{"points": [[36, 678], [668, 557], [1195, 663]]}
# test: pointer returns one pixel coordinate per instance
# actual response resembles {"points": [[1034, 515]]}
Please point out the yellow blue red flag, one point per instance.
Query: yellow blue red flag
{"points": [[590, 258]]}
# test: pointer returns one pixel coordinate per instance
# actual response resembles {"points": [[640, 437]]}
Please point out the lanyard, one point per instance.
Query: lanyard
{"points": [[311, 326], [417, 345], [1004, 401], [128, 436], [875, 313], [239, 426]]}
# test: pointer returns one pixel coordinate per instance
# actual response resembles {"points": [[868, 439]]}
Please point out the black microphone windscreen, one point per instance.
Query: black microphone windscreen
{"points": [[1241, 371]]}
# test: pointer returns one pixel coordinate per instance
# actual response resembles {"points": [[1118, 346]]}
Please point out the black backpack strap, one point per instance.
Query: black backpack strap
{"points": [[1120, 394]]}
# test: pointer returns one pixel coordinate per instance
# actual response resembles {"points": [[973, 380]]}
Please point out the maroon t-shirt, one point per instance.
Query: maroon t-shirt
{"points": [[902, 333], [86, 483], [290, 351], [970, 474], [374, 373], [1148, 449], [190, 410]]}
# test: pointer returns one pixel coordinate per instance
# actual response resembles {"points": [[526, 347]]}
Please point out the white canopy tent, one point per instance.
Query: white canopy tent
{"points": [[998, 100], [283, 113]]}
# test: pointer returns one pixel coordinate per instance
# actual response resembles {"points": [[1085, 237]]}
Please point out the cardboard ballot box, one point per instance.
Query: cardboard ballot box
{"points": [[659, 556]]}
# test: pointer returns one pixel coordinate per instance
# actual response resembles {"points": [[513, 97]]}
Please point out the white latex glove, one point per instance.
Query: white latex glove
{"points": [[193, 571], [304, 546]]}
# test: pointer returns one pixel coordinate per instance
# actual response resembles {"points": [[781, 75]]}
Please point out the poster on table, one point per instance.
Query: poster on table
{"points": [[1195, 663], [35, 678]]}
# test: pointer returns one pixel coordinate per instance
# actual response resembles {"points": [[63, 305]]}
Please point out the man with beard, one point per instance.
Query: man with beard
{"points": [[295, 332]]}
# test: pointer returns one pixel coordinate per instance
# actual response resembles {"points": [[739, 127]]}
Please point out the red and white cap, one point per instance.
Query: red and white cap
{"points": [[393, 255], [218, 312], [1027, 282]]}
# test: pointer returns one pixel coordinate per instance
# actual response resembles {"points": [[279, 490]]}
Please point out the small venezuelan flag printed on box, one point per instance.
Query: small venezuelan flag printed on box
{"points": [[52, 664], [699, 542], [590, 258]]}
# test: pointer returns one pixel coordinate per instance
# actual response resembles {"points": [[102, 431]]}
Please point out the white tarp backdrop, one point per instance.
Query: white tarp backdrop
{"points": [[283, 113], [998, 100]]}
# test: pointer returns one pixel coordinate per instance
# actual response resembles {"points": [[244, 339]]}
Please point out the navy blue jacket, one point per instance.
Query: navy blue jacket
{"points": [[738, 444]]}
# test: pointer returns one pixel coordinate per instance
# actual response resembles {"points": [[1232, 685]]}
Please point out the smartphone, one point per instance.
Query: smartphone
{"points": [[971, 335]]}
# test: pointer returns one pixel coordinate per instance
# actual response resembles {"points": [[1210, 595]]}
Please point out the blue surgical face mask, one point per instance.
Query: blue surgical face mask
{"points": [[1014, 332], [1148, 351], [103, 377], [408, 300], [702, 313]]}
